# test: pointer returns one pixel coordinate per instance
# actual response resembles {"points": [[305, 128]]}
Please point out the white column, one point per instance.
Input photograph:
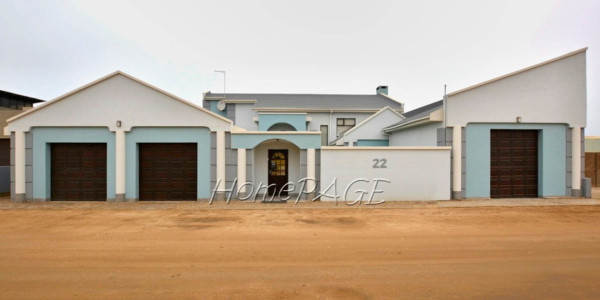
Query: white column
{"points": [[221, 161], [120, 167], [241, 170], [456, 162], [20, 166], [310, 170], [576, 161]]}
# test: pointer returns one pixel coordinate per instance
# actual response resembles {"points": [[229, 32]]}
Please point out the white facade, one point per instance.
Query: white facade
{"points": [[552, 92], [370, 129], [408, 173], [422, 135], [118, 97]]}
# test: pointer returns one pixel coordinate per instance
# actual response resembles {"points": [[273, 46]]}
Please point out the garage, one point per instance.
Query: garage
{"points": [[514, 163], [168, 171], [78, 171]]}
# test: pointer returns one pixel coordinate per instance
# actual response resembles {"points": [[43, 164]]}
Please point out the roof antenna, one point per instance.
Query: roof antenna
{"points": [[444, 102], [224, 83]]}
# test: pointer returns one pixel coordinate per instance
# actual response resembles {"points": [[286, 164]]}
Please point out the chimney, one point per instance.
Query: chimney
{"points": [[382, 89]]}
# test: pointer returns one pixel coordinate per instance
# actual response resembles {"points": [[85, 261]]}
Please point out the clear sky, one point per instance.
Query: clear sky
{"points": [[48, 48]]}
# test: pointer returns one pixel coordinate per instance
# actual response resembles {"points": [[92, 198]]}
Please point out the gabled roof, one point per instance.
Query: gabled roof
{"points": [[5, 94], [55, 100], [367, 120], [323, 102], [414, 115]]}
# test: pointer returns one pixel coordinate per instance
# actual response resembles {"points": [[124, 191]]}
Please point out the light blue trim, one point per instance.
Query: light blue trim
{"points": [[249, 141], [44, 136], [213, 108], [551, 165], [201, 136], [265, 121], [373, 143]]}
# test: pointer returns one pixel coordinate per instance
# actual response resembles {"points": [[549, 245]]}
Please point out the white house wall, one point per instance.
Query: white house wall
{"points": [[552, 93], [244, 116], [372, 129], [414, 173], [424, 135], [118, 98]]}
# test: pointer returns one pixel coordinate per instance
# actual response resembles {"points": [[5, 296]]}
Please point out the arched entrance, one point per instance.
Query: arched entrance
{"points": [[277, 163]]}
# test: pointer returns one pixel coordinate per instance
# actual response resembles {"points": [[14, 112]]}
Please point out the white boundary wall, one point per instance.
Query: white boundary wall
{"points": [[414, 173]]}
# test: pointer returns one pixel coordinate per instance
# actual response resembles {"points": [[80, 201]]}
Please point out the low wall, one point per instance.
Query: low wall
{"points": [[400, 173]]}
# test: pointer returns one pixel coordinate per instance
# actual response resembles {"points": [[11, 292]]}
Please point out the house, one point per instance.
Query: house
{"points": [[518, 135], [140, 142], [122, 139], [11, 104], [332, 115]]}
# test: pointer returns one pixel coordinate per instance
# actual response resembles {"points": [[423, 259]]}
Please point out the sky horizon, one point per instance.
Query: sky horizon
{"points": [[49, 48]]}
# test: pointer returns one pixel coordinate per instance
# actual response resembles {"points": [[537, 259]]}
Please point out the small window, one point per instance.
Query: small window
{"points": [[345, 124]]}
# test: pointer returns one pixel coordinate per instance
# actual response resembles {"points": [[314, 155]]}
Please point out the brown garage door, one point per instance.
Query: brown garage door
{"points": [[514, 163], [4, 152], [168, 171], [78, 171]]}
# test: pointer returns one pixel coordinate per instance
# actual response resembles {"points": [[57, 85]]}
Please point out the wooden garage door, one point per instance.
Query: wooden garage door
{"points": [[78, 171], [514, 163], [4, 152], [168, 171]]}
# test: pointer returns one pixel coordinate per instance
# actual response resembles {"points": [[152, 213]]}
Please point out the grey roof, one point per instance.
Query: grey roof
{"points": [[313, 101], [418, 113]]}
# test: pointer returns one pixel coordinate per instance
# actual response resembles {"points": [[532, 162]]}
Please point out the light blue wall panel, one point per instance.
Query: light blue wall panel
{"points": [[44, 136], [201, 136], [551, 158], [302, 141], [373, 143], [265, 121]]}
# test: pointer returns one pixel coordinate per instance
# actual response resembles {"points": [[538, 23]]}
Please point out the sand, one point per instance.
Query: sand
{"points": [[189, 250]]}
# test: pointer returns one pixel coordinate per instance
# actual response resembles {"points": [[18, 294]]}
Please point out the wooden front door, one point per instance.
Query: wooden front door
{"points": [[278, 170]]}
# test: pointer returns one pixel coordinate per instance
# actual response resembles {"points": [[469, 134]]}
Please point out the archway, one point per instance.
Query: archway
{"points": [[281, 127]]}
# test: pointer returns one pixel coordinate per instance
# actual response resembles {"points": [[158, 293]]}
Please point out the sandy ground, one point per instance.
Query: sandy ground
{"points": [[190, 250]]}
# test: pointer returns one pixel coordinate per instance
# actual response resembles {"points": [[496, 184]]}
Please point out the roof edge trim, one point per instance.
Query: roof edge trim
{"points": [[118, 72], [518, 71]]}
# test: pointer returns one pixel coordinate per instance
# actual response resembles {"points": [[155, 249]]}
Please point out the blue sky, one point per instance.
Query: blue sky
{"points": [[48, 48]]}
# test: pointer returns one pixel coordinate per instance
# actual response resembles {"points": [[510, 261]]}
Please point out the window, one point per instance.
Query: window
{"points": [[324, 135], [344, 124]]}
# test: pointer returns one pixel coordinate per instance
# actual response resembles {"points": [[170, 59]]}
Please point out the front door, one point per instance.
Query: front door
{"points": [[278, 170]]}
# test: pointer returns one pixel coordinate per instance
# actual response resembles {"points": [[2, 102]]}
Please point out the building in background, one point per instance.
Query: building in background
{"points": [[10, 105], [592, 159]]}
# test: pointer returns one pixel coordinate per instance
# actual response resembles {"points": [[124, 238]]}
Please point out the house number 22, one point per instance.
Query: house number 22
{"points": [[380, 163]]}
